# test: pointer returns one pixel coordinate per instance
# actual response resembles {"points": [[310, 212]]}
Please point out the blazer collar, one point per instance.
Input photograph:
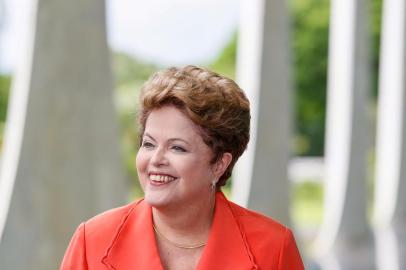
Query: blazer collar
{"points": [[134, 245]]}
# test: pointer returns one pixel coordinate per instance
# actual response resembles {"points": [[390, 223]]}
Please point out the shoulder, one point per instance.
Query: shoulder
{"points": [[253, 221], [101, 231], [93, 237], [110, 217], [271, 242], [109, 221]]}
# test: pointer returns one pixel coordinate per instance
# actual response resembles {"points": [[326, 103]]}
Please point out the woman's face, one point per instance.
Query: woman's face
{"points": [[173, 162]]}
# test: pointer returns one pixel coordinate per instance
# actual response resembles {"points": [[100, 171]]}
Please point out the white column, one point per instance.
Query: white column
{"points": [[260, 179], [61, 162], [345, 241], [2, 13], [390, 187]]}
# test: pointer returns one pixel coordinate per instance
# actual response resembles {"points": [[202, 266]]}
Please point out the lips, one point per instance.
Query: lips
{"points": [[160, 179]]}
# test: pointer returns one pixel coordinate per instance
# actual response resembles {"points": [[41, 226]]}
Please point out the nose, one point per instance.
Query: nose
{"points": [[159, 157]]}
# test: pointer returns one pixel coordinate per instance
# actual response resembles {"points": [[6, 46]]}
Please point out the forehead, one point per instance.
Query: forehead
{"points": [[170, 121]]}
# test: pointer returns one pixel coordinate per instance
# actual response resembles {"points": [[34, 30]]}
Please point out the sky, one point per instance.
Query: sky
{"points": [[163, 32]]}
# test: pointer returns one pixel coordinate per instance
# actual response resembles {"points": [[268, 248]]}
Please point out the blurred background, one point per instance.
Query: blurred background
{"points": [[145, 36], [141, 44]]}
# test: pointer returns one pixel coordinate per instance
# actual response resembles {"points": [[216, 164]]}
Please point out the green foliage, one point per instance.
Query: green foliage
{"points": [[307, 204], [375, 11], [226, 62], [310, 46], [5, 82], [128, 69]]}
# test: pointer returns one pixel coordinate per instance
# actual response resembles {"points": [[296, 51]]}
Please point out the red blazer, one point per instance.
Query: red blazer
{"points": [[124, 239]]}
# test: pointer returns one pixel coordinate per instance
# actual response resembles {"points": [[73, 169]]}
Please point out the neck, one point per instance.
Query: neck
{"points": [[185, 223]]}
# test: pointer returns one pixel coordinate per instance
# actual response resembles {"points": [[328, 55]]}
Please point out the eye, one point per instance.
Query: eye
{"points": [[178, 148], [146, 144]]}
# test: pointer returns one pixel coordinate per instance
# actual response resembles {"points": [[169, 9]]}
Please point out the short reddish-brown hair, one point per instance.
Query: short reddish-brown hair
{"points": [[216, 104]]}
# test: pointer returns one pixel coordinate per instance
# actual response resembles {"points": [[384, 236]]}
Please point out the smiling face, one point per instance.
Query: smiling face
{"points": [[173, 162]]}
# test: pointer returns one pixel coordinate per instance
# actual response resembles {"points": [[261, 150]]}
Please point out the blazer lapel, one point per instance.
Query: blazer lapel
{"points": [[226, 247], [134, 246]]}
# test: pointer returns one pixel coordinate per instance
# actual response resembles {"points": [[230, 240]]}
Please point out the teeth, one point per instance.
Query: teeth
{"points": [[161, 178]]}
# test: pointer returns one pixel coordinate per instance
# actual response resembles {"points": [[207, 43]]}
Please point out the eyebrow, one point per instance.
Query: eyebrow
{"points": [[170, 140]]}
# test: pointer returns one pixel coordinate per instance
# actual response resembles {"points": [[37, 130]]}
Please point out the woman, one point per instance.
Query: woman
{"points": [[194, 127]]}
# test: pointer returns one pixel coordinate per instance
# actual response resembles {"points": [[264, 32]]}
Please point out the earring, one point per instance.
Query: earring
{"points": [[213, 184]]}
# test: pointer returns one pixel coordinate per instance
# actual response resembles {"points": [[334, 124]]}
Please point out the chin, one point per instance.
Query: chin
{"points": [[157, 199], [154, 202]]}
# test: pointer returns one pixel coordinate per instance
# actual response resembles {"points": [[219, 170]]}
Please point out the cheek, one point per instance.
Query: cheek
{"points": [[197, 170], [141, 161]]}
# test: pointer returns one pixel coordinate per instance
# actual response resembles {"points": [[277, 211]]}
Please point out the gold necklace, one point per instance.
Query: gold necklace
{"points": [[177, 244]]}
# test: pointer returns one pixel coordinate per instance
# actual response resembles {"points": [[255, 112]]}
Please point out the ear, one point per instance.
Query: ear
{"points": [[222, 164]]}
